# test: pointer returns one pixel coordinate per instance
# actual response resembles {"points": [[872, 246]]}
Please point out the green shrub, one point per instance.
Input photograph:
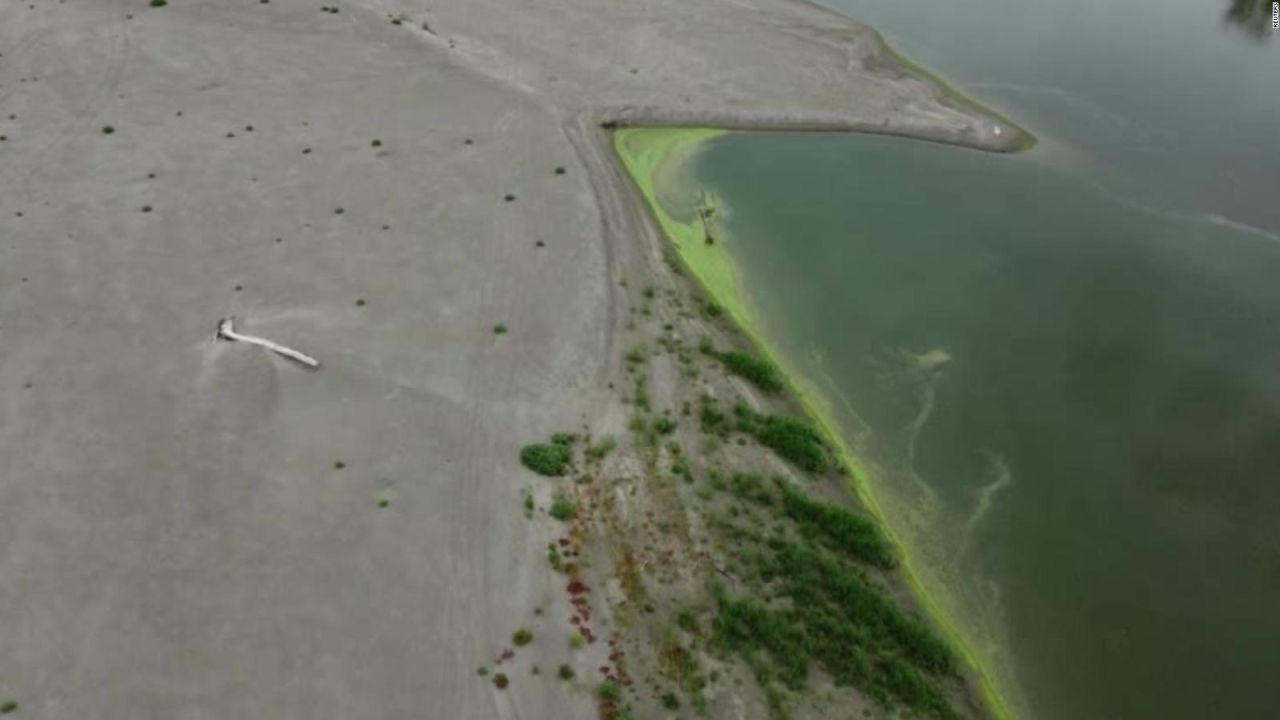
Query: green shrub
{"points": [[563, 509], [640, 395], [757, 371], [499, 329], [159, 3], [664, 425], [745, 419], [714, 421], [547, 459], [687, 620], [795, 441], [751, 487], [563, 438], [646, 436], [566, 672], [521, 637], [680, 467], [670, 701], [842, 531], [608, 691]]}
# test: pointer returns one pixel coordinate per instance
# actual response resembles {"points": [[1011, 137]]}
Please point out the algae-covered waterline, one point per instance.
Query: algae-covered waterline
{"points": [[1058, 368]]}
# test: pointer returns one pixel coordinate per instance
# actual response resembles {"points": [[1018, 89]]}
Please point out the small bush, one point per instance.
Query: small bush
{"points": [[499, 329], [640, 394], [608, 691], [159, 3], [688, 621], [670, 701], [680, 467], [751, 487], [563, 438], [521, 637], [546, 458], [563, 509], [566, 672], [664, 425], [714, 421], [841, 530], [757, 371], [500, 681], [794, 441], [576, 641], [108, 130]]}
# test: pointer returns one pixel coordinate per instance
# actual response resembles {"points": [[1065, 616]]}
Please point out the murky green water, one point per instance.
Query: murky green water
{"points": [[1068, 362]]}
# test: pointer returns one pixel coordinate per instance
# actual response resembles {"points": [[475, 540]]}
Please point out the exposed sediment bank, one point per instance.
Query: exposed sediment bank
{"points": [[198, 528]]}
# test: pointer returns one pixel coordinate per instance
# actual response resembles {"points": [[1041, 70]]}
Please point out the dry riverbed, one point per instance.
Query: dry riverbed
{"points": [[422, 198]]}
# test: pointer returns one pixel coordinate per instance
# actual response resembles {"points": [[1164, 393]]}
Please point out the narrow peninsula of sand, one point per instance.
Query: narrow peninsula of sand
{"points": [[424, 199]]}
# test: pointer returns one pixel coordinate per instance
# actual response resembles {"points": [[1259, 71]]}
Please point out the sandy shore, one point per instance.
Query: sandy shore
{"points": [[195, 529]]}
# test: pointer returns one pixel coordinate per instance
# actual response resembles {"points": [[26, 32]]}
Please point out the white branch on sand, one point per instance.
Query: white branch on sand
{"points": [[227, 331]]}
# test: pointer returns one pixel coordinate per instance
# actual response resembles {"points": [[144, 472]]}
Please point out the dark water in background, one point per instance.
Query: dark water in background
{"points": [[1069, 361]]}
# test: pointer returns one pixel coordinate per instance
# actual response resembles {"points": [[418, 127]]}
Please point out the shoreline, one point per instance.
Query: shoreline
{"points": [[715, 274], [600, 130]]}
